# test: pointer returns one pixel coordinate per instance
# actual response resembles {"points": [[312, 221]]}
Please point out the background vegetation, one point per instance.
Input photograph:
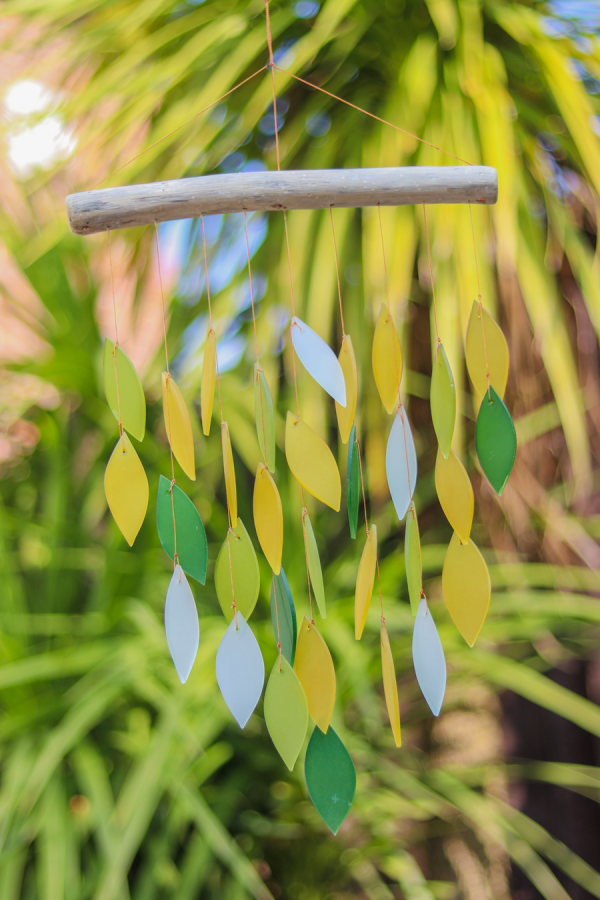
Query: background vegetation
{"points": [[116, 782]]}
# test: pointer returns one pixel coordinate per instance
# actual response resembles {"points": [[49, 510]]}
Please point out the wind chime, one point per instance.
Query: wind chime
{"points": [[302, 682]]}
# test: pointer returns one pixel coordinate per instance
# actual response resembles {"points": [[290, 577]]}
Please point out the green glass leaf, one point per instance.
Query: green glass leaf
{"points": [[496, 440], [412, 559], [286, 711], [285, 611], [130, 397], [443, 400], [192, 548], [244, 570], [314, 566], [353, 483], [330, 777], [265, 417]]}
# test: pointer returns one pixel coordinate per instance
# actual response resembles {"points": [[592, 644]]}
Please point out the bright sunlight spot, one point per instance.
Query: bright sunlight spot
{"points": [[41, 143]]}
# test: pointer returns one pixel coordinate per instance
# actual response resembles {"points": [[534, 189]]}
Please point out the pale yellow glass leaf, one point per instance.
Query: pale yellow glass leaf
{"points": [[229, 471], [207, 386], [467, 587], [178, 425], [314, 668], [387, 360], [268, 517], [286, 711], [126, 488], [455, 493], [364, 582], [390, 686], [312, 462], [497, 352], [345, 414]]}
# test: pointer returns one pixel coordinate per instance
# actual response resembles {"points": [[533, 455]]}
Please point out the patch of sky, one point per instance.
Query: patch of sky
{"points": [[285, 52], [591, 83], [318, 124], [305, 9], [233, 162], [569, 17]]}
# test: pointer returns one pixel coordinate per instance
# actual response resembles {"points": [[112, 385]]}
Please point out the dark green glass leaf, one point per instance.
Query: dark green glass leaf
{"points": [[496, 440], [353, 482], [443, 400], [330, 777], [286, 613], [412, 559], [265, 417], [192, 549]]}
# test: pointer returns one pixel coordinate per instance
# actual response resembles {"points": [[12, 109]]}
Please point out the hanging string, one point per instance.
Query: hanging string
{"points": [[277, 619], [116, 344], [387, 296], [431, 277], [487, 365], [337, 272], [258, 368]]}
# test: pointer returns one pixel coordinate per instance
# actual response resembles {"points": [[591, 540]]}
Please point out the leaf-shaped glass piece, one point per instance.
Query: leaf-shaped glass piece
{"points": [[319, 360], [181, 624], [178, 425], [192, 549], [330, 777], [130, 396], [390, 685], [264, 416], [314, 565], [401, 464], [455, 493], [387, 360], [286, 711], [353, 483], [428, 659], [312, 462], [283, 616], [345, 414], [243, 570], [240, 670], [443, 400], [475, 352], [412, 559], [207, 385], [126, 488], [229, 472], [314, 668], [467, 587], [495, 440], [364, 582], [268, 517]]}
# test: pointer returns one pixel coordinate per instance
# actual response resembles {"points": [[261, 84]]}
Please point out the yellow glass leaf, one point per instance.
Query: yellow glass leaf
{"points": [[387, 360], [314, 668], [312, 462], [455, 493], [497, 352], [345, 414], [178, 425], [390, 685], [268, 517], [228, 469], [126, 488], [286, 711], [467, 587], [364, 582], [130, 395], [207, 386]]}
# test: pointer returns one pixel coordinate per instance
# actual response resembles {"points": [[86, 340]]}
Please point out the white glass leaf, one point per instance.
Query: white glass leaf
{"points": [[401, 464], [240, 670], [181, 624], [428, 659], [319, 360]]}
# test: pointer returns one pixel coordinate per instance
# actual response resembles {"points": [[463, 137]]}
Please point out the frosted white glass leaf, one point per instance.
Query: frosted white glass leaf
{"points": [[240, 670], [401, 464], [181, 624], [428, 659], [319, 360]]}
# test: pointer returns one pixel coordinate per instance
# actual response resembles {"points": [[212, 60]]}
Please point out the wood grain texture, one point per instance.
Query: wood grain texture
{"points": [[142, 204]]}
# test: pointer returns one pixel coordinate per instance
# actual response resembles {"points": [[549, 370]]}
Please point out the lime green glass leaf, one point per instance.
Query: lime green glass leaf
{"points": [[283, 616], [330, 777], [443, 400], [495, 440], [286, 711], [353, 483], [131, 393], [314, 566], [192, 549], [412, 559], [243, 569], [264, 416]]}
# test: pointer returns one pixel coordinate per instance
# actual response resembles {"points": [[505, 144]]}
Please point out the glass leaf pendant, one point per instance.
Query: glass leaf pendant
{"points": [[181, 624], [312, 462], [126, 489], [314, 668], [207, 385], [229, 472], [495, 440], [268, 517], [475, 352], [387, 361], [467, 587], [364, 582], [319, 360], [237, 562], [240, 670], [428, 659], [264, 416], [412, 559], [178, 425], [283, 616], [330, 777], [442, 400], [401, 464], [353, 483], [455, 493], [345, 414], [390, 685], [314, 565], [286, 711], [129, 397], [192, 549]]}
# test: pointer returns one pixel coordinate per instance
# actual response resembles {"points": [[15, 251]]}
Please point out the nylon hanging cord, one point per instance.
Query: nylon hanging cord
{"points": [[487, 365], [116, 344]]}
